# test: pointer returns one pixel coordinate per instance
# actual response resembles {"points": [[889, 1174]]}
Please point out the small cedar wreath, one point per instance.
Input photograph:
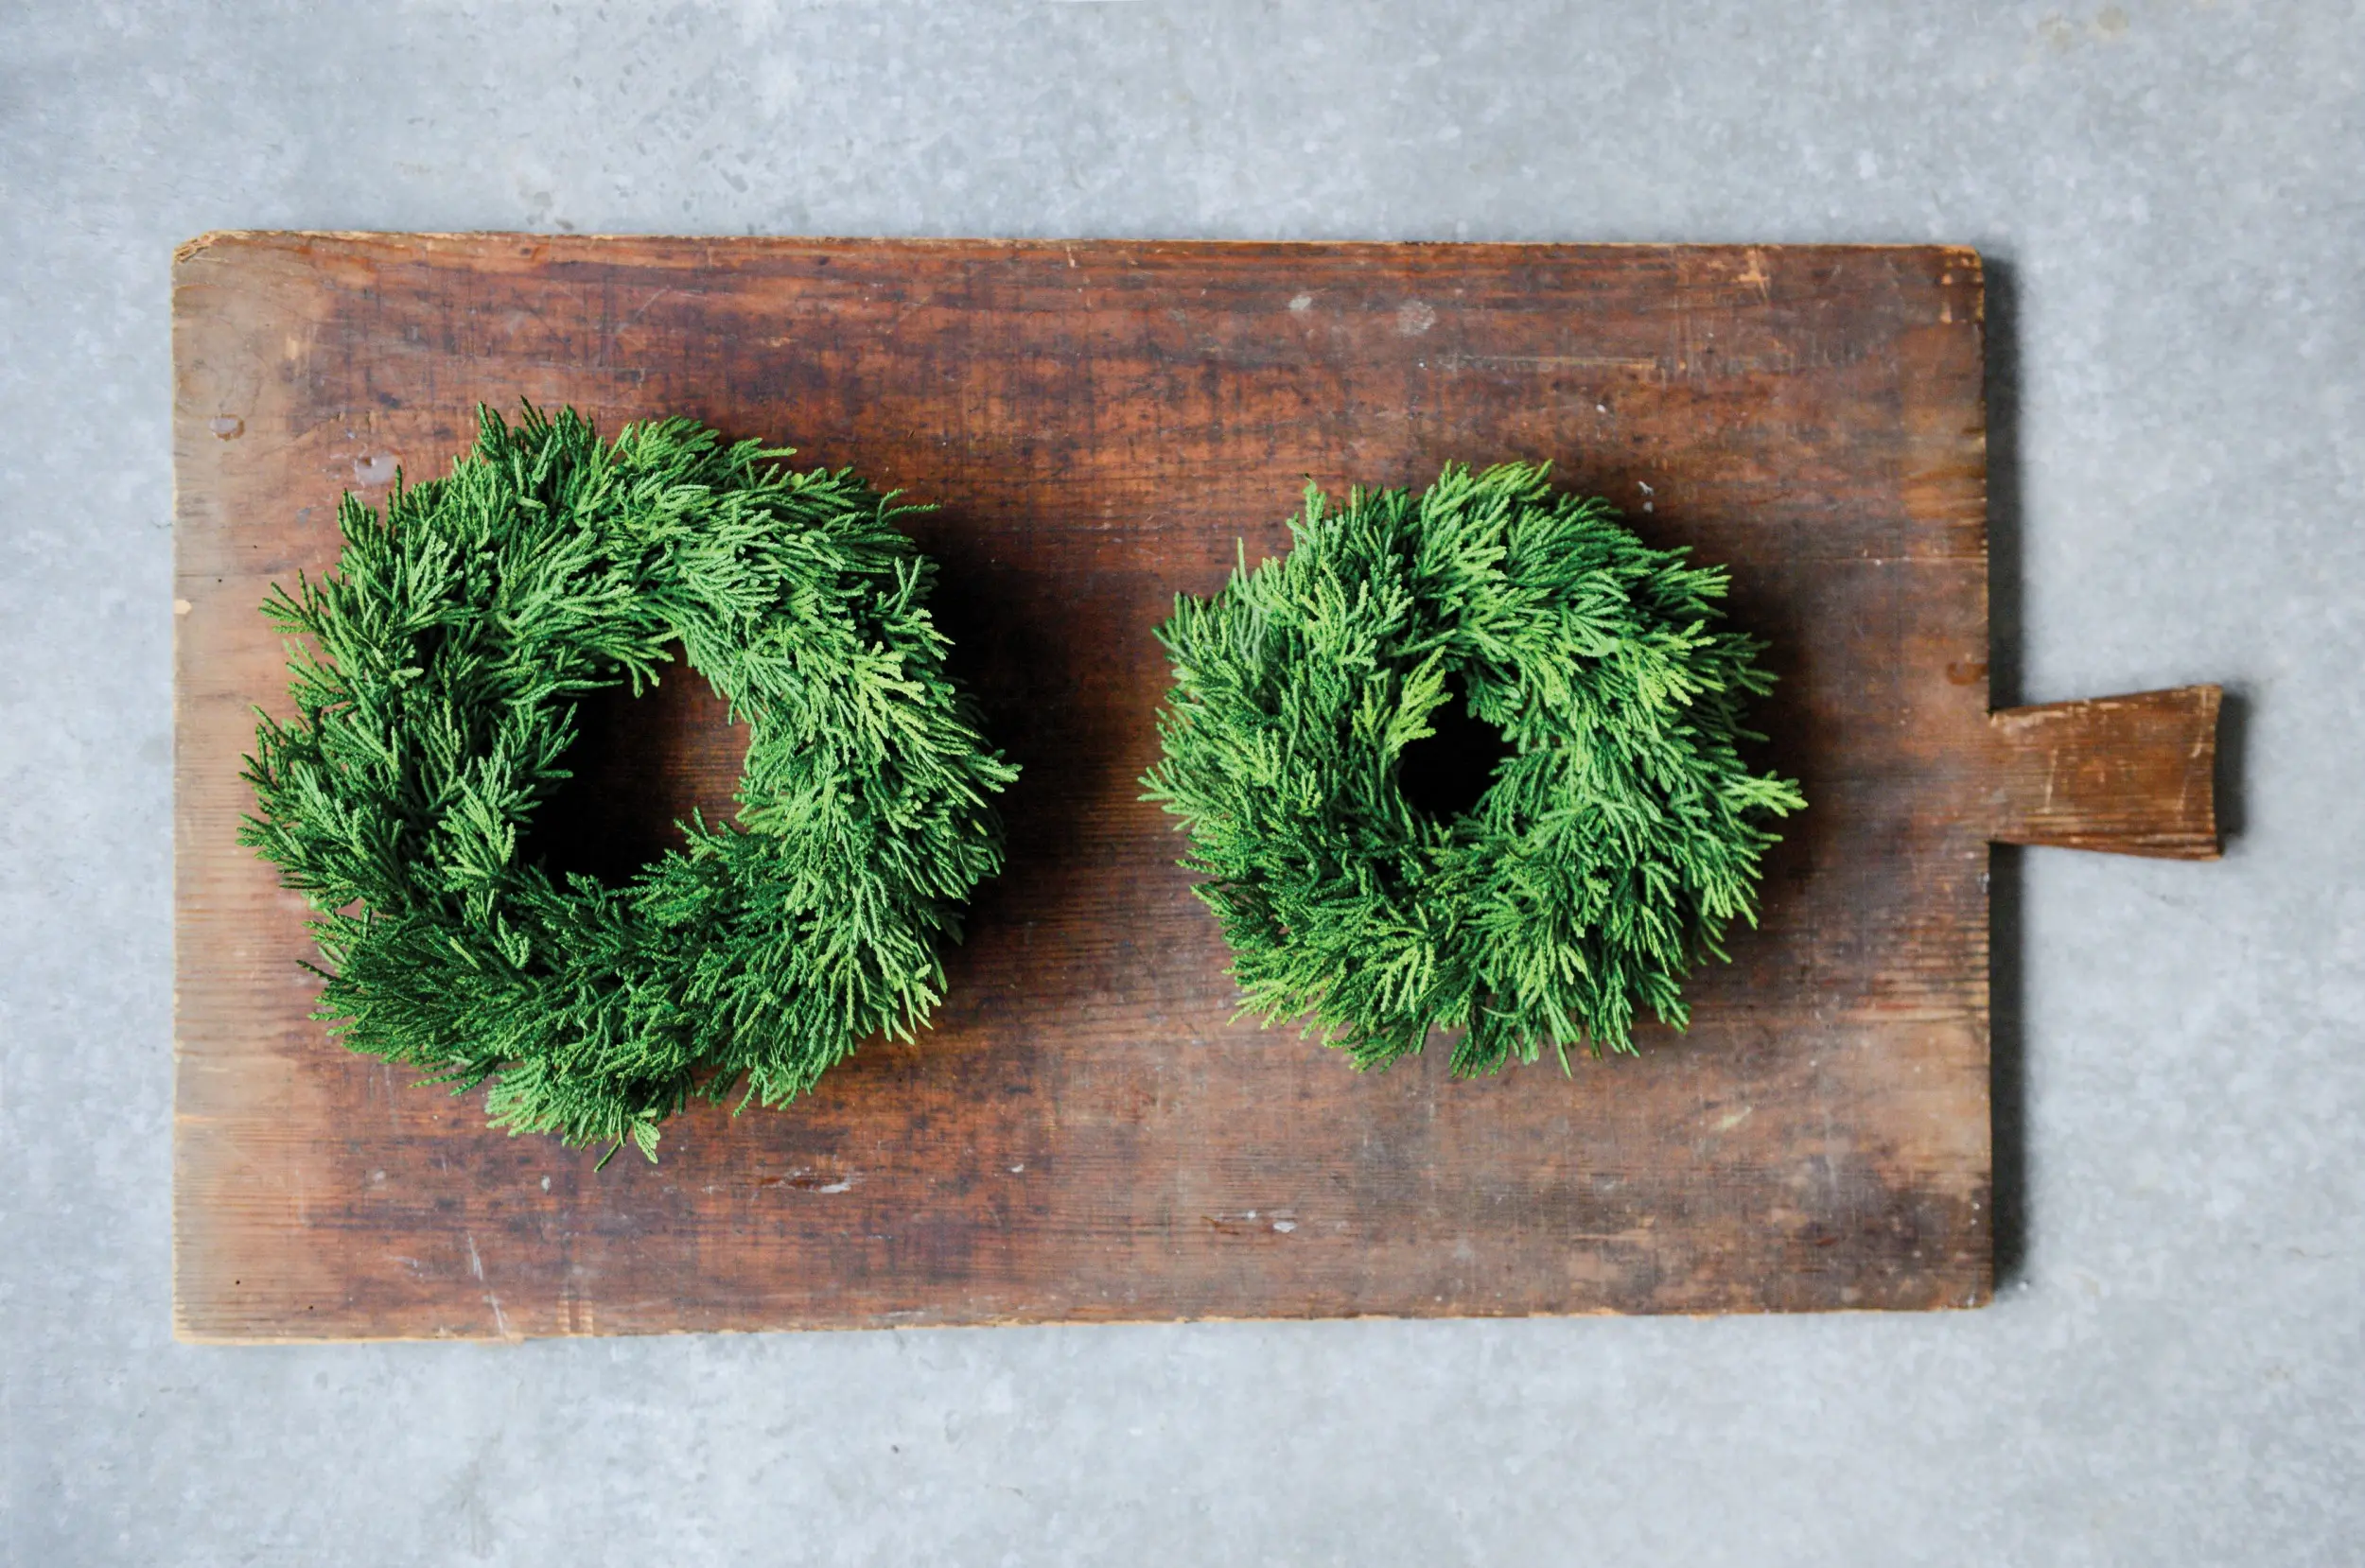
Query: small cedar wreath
{"points": [[436, 673], [1580, 879]]}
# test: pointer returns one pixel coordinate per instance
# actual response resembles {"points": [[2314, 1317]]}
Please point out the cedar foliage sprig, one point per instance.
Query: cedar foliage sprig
{"points": [[1619, 838], [436, 672]]}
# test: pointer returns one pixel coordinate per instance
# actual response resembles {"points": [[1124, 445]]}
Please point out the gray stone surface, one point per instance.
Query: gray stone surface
{"points": [[2173, 1374]]}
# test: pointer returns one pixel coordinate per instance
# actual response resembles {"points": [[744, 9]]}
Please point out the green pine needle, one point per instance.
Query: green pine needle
{"points": [[1615, 842], [436, 673]]}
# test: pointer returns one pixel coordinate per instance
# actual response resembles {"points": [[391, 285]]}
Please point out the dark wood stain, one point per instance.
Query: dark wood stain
{"points": [[1086, 1134], [640, 765]]}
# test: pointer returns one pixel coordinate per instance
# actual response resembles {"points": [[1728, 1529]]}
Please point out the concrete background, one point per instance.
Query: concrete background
{"points": [[2172, 1375]]}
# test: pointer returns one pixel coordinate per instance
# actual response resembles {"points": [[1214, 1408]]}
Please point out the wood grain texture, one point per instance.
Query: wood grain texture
{"points": [[2135, 774], [1086, 1134]]}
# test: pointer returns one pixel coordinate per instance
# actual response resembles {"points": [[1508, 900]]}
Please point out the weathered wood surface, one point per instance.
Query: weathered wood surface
{"points": [[1086, 1134], [2134, 774]]}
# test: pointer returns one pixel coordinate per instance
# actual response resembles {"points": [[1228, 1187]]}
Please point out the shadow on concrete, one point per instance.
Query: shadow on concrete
{"points": [[2008, 1040], [2233, 749]]}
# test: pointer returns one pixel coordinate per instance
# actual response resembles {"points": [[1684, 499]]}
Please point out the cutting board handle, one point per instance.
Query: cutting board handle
{"points": [[2133, 775]]}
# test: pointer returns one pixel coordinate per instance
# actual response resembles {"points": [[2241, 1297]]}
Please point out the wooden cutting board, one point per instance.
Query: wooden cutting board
{"points": [[1086, 1134]]}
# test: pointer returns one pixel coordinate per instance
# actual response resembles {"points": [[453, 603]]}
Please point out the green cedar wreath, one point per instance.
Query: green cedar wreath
{"points": [[436, 678], [1605, 853]]}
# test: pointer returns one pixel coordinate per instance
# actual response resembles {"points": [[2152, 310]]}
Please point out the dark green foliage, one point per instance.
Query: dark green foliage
{"points": [[1618, 837], [435, 692]]}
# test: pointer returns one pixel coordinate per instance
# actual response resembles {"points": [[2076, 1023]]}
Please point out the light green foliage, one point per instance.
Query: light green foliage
{"points": [[435, 681], [1616, 841]]}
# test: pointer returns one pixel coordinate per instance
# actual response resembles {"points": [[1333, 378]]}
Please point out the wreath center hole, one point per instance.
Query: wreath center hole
{"points": [[640, 765], [1444, 774]]}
